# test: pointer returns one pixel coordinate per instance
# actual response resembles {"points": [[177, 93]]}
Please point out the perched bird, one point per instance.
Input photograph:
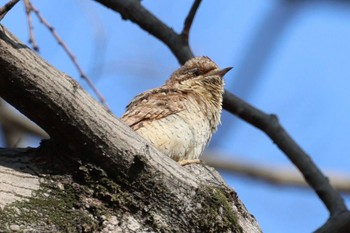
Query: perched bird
{"points": [[179, 117]]}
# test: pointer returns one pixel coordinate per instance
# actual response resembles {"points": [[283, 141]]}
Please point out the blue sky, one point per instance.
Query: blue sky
{"points": [[291, 60]]}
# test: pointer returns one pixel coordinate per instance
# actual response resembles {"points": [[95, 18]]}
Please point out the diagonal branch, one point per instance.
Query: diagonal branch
{"points": [[32, 41], [134, 11], [6, 8], [189, 19]]}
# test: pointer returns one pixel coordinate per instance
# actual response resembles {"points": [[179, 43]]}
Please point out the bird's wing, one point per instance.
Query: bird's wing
{"points": [[153, 105]]}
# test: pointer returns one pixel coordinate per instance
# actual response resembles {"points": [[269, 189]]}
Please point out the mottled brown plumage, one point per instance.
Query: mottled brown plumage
{"points": [[180, 116]]}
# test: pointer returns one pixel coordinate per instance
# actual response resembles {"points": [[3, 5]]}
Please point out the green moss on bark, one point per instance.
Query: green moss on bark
{"points": [[220, 216], [49, 209]]}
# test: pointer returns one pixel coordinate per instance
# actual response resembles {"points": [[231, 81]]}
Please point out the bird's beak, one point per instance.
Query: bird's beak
{"points": [[222, 72]]}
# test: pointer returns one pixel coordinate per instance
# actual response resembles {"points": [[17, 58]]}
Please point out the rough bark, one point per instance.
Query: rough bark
{"points": [[110, 166]]}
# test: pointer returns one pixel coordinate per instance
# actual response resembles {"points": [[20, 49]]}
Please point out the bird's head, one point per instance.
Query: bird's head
{"points": [[198, 74]]}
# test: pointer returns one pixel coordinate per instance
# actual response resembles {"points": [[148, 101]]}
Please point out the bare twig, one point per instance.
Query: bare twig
{"points": [[134, 11], [189, 19], [70, 54], [32, 40], [6, 8]]}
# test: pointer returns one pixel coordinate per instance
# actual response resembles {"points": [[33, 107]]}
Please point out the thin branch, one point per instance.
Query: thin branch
{"points": [[272, 174], [134, 11], [189, 19], [6, 8], [32, 40], [72, 57]]}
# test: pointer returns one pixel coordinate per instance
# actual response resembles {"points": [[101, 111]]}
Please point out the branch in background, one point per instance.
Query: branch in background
{"points": [[270, 125], [273, 175], [6, 8], [32, 40], [29, 8], [134, 11], [189, 19], [15, 126]]}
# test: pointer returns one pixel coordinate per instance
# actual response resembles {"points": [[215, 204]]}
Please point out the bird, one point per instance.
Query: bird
{"points": [[180, 116]]}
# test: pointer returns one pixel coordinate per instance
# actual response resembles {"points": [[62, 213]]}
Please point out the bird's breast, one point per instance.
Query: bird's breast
{"points": [[183, 135]]}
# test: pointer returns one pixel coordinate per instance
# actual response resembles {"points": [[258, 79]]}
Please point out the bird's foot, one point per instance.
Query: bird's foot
{"points": [[189, 161]]}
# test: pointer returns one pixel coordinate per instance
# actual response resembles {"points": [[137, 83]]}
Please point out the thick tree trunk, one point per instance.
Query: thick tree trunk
{"points": [[96, 174]]}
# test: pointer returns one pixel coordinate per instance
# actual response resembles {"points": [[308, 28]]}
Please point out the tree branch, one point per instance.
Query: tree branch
{"points": [[133, 11], [28, 9], [189, 19], [15, 125], [339, 223], [6, 8]]}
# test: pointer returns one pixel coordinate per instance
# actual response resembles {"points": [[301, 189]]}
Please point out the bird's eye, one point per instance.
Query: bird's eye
{"points": [[194, 72]]}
